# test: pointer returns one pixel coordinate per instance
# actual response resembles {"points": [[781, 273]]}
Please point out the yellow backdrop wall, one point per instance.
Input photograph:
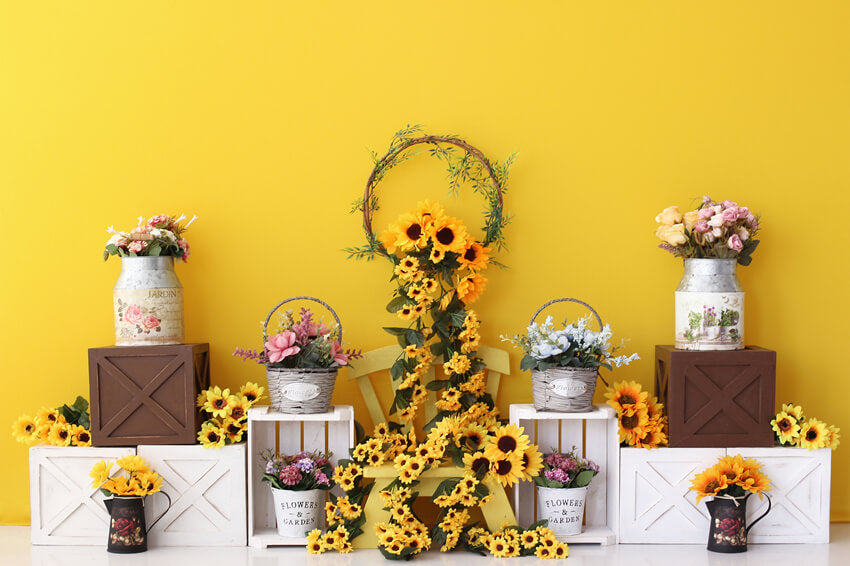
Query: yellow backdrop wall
{"points": [[257, 116]]}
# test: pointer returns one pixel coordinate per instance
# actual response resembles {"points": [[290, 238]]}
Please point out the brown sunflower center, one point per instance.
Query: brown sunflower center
{"points": [[51, 417], [470, 254], [84, 437], [414, 465], [213, 437], [504, 467], [29, 428], [711, 486], [237, 413], [730, 475], [627, 399], [219, 403], [506, 444], [480, 464], [445, 236], [784, 425], [63, 434], [525, 460], [811, 434], [629, 422], [250, 397], [413, 231], [234, 428]]}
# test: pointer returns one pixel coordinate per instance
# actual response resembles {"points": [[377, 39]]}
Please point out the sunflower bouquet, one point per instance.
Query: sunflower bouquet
{"points": [[68, 425], [791, 428], [732, 477], [228, 413], [713, 230], [139, 479], [159, 235], [641, 418]]}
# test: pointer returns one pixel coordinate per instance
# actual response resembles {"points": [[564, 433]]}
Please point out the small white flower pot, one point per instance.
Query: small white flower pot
{"points": [[563, 508], [298, 512]]}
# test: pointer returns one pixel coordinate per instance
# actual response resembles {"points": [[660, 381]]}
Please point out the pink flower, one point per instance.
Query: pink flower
{"points": [[701, 226], [743, 212], [751, 220], [136, 246], [184, 246], [734, 243], [716, 221], [150, 322], [706, 199], [706, 213], [730, 214], [133, 314], [338, 355], [729, 204], [281, 346], [161, 221]]}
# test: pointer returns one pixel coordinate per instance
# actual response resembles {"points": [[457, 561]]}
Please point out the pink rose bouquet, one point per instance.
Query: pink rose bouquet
{"points": [[713, 230], [160, 235], [301, 342]]}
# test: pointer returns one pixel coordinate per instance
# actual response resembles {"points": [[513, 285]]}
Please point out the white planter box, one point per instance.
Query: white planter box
{"points": [[657, 506], [594, 435], [208, 493], [332, 431], [65, 509]]}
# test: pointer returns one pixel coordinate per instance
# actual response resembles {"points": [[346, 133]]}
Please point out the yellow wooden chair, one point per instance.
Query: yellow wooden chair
{"points": [[496, 512]]}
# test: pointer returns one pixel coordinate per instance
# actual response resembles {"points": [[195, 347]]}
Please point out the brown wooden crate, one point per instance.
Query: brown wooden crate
{"points": [[717, 399], [146, 394]]}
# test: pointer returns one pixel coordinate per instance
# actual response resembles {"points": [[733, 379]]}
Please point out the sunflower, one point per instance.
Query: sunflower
{"points": [[795, 411], [448, 234], [755, 482], [632, 427], [80, 436], [626, 397], [149, 482], [234, 429], [813, 434], [708, 482], [474, 256], [508, 470], [532, 462], [252, 392], [24, 429], [211, 435], [219, 402], [459, 364], [437, 255], [561, 550], [477, 463], [413, 230], [100, 473], [786, 428], [314, 543], [474, 435], [508, 440], [407, 414], [731, 467], [654, 435], [408, 312], [833, 438], [239, 408], [469, 288], [46, 417], [543, 552], [60, 434], [133, 463]]}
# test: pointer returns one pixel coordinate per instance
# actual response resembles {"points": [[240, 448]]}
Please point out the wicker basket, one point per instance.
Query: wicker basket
{"points": [[296, 390], [564, 389]]}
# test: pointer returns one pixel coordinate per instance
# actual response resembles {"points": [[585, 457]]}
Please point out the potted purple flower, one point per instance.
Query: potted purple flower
{"points": [[298, 485], [562, 491]]}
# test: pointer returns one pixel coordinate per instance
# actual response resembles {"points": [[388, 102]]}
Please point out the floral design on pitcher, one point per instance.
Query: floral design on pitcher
{"points": [[126, 531], [137, 319]]}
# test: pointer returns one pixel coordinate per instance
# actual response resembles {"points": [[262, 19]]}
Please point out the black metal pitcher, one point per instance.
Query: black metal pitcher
{"points": [[127, 531], [728, 530]]}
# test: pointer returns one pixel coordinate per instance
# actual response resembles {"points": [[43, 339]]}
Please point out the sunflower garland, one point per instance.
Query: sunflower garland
{"points": [[68, 425], [641, 418], [229, 414], [791, 428]]}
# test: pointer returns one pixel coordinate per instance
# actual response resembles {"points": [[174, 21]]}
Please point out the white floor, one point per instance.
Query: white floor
{"points": [[15, 550]]}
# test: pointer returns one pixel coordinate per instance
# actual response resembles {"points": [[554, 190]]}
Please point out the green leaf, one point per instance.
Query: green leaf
{"points": [[583, 478], [415, 337], [528, 362], [395, 305], [395, 330], [397, 369], [437, 384], [81, 404]]}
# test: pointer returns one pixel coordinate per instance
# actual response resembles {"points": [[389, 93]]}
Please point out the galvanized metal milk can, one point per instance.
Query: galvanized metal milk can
{"points": [[148, 302], [710, 306]]}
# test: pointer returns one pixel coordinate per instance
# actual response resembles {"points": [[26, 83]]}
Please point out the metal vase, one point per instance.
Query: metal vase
{"points": [[298, 512], [728, 530], [563, 508], [148, 302], [710, 306]]}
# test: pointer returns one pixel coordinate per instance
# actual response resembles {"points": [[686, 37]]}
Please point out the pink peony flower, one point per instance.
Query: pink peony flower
{"points": [[133, 314], [706, 213], [281, 346], [701, 226], [730, 214], [136, 246], [706, 199], [743, 212], [734, 243], [150, 322], [729, 204], [337, 354]]}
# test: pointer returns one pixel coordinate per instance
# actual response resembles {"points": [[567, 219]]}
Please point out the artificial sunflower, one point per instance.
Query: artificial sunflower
{"points": [[470, 287], [632, 427], [458, 364], [626, 397], [314, 543], [508, 470], [408, 312], [59, 434], [46, 417], [532, 462], [80, 436], [786, 428], [149, 482], [412, 231], [474, 256], [543, 552], [133, 463], [448, 234], [477, 463], [813, 434], [239, 408], [474, 435], [833, 438], [252, 392], [100, 473], [709, 482], [795, 411], [234, 429], [211, 435], [731, 468], [561, 550], [508, 440], [24, 429], [219, 402]]}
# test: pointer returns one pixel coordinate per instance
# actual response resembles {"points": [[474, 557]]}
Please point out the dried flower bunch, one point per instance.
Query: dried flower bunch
{"points": [[160, 235], [228, 413], [68, 425], [139, 480], [791, 428], [713, 230], [732, 476], [642, 422]]}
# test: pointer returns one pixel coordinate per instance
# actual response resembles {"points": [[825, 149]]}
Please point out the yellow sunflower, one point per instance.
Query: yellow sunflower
{"points": [[46, 417], [239, 408], [632, 427], [211, 435], [469, 288], [448, 234], [100, 473], [755, 482], [508, 440], [149, 482], [474, 256], [219, 402], [795, 411], [413, 231], [708, 482], [80, 436], [532, 462], [24, 430], [833, 438], [133, 463], [543, 553], [408, 312], [813, 434], [314, 542], [477, 463], [474, 435], [60, 434], [508, 470], [786, 428], [252, 392], [234, 429], [731, 467], [561, 550], [459, 364], [626, 397]]}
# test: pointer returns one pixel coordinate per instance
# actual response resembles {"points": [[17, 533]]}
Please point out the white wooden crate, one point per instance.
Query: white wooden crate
{"points": [[65, 509], [657, 506], [800, 482], [594, 435], [332, 431], [208, 492]]}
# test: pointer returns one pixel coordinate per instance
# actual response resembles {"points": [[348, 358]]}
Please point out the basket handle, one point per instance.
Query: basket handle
{"points": [[569, 300], [305, 298]]}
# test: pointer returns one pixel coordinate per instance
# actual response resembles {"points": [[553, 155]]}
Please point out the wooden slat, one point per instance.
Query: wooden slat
{"points": [[596, 450], [572, 435], [289, 437], [374, 361], [524, 492], [496, 359], [371, 399], [314, 436], [430, 408], [261, 435]]}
